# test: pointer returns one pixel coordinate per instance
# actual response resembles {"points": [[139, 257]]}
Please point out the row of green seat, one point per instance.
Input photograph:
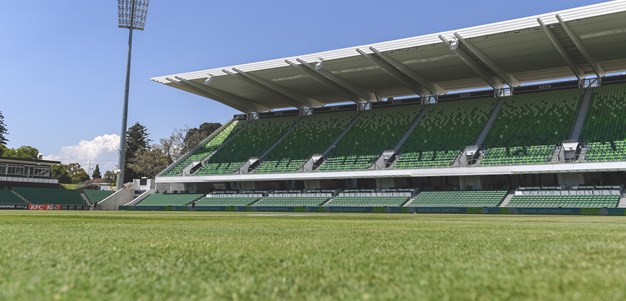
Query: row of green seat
{"points": [[564, 201], [444, 132], [458, 199], [367, 201], [7, 197], [159, 199], [527, 155], [529, 127], [251, 141], [605, 125], [292, 201], [227, 200], [50, 196], [311, 136], [95, 196], [376, 131], [209, 147], [424, 199]]}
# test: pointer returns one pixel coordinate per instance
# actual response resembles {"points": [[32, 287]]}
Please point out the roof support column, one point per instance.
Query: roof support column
{"points": [[417, 83], [485, 74], [293, 98], [578, 72], [349, 90], [499, 71], [597, 69]]}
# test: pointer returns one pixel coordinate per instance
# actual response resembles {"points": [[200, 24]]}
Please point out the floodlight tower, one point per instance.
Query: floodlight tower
{"points": [[132, 15]]}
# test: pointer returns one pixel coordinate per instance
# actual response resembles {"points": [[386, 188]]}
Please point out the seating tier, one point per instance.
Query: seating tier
{"points": [[444, 132], [458, 199], [529, 127]]}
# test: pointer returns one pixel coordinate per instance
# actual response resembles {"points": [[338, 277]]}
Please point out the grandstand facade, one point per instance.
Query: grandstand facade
{"points": [[471, 117], [28, 184]]}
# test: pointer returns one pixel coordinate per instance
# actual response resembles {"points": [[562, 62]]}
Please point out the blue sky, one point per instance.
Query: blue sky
{"points": [[63, 62]]}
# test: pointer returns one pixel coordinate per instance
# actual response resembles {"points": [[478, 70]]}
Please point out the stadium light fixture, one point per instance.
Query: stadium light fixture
{"points": [[131, 15], [209, 80], [454, 44], [319, 65]]}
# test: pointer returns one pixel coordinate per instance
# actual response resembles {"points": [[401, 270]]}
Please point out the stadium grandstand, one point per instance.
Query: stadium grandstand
{"points": [[529, 112], [28, 184]]}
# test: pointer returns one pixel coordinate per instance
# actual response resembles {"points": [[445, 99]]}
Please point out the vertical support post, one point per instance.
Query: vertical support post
{"points": [[122, 161]]}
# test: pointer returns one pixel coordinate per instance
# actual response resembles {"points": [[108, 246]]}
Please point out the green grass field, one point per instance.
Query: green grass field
{"points": [[247, 256]]}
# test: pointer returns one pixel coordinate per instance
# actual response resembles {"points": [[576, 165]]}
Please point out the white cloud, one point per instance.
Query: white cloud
{"points": [[101, 150]]}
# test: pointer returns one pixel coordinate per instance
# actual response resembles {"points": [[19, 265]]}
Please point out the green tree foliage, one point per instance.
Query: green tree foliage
{"points": [[71, 173], [61, 173], [3, 131], [96, 173], [109, 177], [77, 173], [149, 162], [27, 152], [136, 140], [194, 136], [23, 152]]}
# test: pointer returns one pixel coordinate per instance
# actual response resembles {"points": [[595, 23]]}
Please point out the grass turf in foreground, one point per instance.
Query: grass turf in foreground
{"points": [[245, 256]]}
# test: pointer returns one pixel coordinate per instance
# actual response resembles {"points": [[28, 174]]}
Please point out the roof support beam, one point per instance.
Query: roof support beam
{"points": [[406, 71], [491, 80], [578, 72], [185, 85], [503, 74], [395, 73], [597, 69], [293, 98], [334, 82], [226, 95]]}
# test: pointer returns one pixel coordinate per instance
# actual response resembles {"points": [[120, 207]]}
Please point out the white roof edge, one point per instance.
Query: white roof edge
{"points": [[577, 13]]}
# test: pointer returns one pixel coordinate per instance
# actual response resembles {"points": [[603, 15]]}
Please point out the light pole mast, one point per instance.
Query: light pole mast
{"points": [[132, 15]]}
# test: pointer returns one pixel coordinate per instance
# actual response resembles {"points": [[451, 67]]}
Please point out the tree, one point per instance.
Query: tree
{"points": [[194, 136], [77, 173], [173, 144], [136, 140], [96, 173], [109, 177], [71, 173], [61, 173], [23, 152], [27, 152], [3, 131], [149, 162]]}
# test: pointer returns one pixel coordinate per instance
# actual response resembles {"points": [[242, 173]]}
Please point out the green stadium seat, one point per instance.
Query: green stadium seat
{"points": [[482, 198], [311, 136], [206, 149], [95, 196], [604, 129], [376, 131], [251, 141], [530, 126], [564, 201], [50, 196], [293, 200], [373, 199], [160, 199], [218, 199], [443, 133], [8, 198]]}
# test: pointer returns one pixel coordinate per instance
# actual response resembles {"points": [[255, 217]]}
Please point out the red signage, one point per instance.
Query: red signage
{"points": [[43, 207]]}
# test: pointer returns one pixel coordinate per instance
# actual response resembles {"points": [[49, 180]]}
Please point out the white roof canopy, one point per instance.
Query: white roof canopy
{"points": [[583, 41]]}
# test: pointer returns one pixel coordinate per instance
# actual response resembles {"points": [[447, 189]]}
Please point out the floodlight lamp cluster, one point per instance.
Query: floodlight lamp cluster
{"points": [[132, 13]]}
